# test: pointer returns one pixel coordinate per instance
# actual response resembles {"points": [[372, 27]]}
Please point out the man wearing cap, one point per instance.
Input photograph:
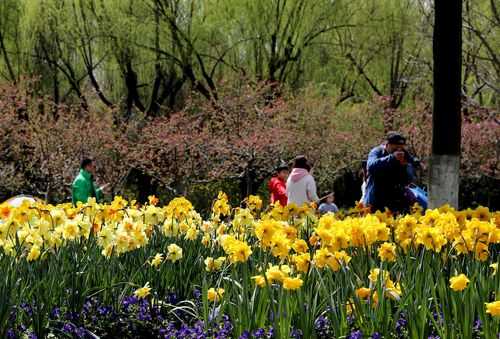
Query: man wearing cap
{"points": [[390, 170], [277, 185]]}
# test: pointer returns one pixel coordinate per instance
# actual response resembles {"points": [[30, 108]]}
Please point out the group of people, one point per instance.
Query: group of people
{"points": [[388, 172], [298, 187]]}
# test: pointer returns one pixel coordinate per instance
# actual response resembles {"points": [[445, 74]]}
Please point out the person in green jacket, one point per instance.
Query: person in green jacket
{"points": [[84, 186]]}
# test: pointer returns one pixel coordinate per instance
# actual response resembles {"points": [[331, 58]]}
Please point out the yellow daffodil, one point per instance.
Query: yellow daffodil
{"points": [[302, 262], [214, 295], [275, 274], [157, 260], [254, 202], [71, 230], [292, 283], [493, 308], [459, 282], [259, 280], [143, 292], [363, 293], [34, 253], [387, 252], [174, 253], [212, 264], [300, 246]]}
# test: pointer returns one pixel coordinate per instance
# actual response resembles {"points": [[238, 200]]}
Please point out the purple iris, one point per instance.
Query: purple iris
{"points": [[245, 335], [80, 332], [197, 294], [71, 316], [55, 313], [69, 328], [27, 308], [128, 301], [401, 324], [172, 298], [259, 333], [296, 334], [322, 324], [11, 334], [104, 310], [357, 334]]}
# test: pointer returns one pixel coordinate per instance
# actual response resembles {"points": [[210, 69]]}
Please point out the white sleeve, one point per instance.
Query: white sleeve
{"points": [[312, 195]]}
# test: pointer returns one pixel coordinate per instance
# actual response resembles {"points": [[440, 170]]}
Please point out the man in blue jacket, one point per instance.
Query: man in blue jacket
{"points": [[390, 171]]}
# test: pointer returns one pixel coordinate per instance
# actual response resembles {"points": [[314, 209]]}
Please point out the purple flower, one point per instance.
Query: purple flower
{"points": [[32, 335], [104, 310], [432, 336], [169, 332], [144, 315], [197, 294], [184, 331], [376, 335], [401, 324], [80, 332], [69, 328], [477, 325], [245, 335], [87, 306], [199, 328], [128, 301], [11, 334], [55, 313], [27, 308], [227, 325], [322, 324], [259, 333], [296, 333], [357, 334], [71, 316], [172, 298]]}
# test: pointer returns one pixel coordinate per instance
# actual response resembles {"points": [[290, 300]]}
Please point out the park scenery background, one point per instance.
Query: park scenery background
{"points": [[187, 107], [189, 97]]}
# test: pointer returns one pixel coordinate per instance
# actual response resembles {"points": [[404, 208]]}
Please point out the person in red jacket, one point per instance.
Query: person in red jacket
{"points": [[277, 185]]}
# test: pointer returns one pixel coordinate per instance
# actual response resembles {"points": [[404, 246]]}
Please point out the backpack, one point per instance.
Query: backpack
{"points": [[420, 195]]}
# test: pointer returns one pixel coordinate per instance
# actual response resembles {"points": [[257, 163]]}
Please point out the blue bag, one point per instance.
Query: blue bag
{"points": [[420, 195]]}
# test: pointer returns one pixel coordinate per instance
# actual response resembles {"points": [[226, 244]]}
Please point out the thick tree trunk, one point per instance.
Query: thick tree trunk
{"points": [[446, 127]]}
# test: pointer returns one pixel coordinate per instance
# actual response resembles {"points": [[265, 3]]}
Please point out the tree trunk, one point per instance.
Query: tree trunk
{"points": [[132, 92], [7, 59], [446, 118]]}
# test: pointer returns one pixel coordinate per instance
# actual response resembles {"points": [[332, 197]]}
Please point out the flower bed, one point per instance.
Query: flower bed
{"points": [[120, 270]]}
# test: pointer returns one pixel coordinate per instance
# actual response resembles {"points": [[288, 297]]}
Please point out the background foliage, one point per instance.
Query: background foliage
{"points": [[175, 96]]}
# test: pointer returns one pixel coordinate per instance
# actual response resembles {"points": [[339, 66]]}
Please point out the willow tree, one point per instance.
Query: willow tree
{"points": [[138, 56]]}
